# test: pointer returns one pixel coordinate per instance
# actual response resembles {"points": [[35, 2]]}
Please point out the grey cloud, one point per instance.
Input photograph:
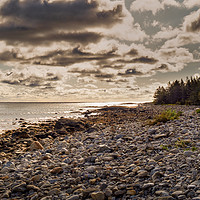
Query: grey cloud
{"points": [[96, 72], [86, 72], [117, 81], [130, 72], [76, 55], [104, 76], [25, 20], [8, 56], [133, 52], [134, 89], [31, 80], [145, 59], [162, 67], [142, 59], [194, 26], [112, 66], [31, 37], [60, 57]]}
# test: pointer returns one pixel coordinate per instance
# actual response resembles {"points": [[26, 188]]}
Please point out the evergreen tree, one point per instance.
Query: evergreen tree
{"points": [[160, 96], [179, 92]]}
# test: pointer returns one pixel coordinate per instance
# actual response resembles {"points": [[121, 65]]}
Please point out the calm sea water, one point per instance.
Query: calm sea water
{"points": [[11, 113]]}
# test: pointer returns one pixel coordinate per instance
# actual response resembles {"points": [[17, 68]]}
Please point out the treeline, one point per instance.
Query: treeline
{"points": [[179, 92]]}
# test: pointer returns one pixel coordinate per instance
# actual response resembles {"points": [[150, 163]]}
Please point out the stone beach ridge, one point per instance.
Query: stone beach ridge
{"points": [[114, 155]]}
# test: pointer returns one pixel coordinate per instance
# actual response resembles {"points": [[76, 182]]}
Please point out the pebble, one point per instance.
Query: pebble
{"points": [[177, 193], [74, 197], [162, 193], [131, 192], [91, 169], [36, 146], [188, 153], [115, 155], [57, 170], [98, 196], [108, 192], [142, 173]]}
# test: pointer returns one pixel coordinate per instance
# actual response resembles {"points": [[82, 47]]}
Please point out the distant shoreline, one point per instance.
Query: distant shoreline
{"points": [[35, 112]]}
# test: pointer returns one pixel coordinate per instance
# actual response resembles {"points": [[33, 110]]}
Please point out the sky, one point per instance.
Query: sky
{"points": [[96, 50]]}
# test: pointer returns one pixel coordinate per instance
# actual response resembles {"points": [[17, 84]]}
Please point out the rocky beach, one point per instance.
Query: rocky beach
{"points": [[113, 155]]}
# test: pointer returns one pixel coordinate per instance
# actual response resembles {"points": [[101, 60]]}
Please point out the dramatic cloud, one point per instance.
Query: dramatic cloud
{"points": [[59, 14], [192, 22], [130, 72], [177, 58], [182, 39], [191, 3], [91, 49], [30, 79], [167, 33], [152, 5], [36, 21]]}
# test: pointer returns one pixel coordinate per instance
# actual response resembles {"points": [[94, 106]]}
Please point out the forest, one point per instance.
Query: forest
{"points": [[179, 92]]}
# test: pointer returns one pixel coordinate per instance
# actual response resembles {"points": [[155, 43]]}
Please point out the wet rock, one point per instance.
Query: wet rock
{"points": [[21, 134], [70, 125]]}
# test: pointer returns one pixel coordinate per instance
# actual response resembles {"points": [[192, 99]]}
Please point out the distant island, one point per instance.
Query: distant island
{"points": [[179, 92]]}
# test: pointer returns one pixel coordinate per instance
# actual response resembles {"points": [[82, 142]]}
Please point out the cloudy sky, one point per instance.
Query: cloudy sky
{"points": [[96, 50]]}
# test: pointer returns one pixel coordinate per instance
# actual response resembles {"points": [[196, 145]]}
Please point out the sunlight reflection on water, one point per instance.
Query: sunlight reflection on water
{"points": [[11, 113]]}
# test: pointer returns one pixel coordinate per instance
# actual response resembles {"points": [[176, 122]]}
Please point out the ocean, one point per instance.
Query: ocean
{"points": [[11, 113]]}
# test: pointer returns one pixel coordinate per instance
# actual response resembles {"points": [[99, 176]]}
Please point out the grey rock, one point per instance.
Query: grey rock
{"points": [[196, 198], [108, 192], [91, 169], [119, 192], [103, 148], [177, 193], [151, 131], [188, 153], [182, 197], [98, 196], [74, 197], [156, 175], [142, 173], [191, 187], [162, 193], [191, 194], [147, 185]]}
